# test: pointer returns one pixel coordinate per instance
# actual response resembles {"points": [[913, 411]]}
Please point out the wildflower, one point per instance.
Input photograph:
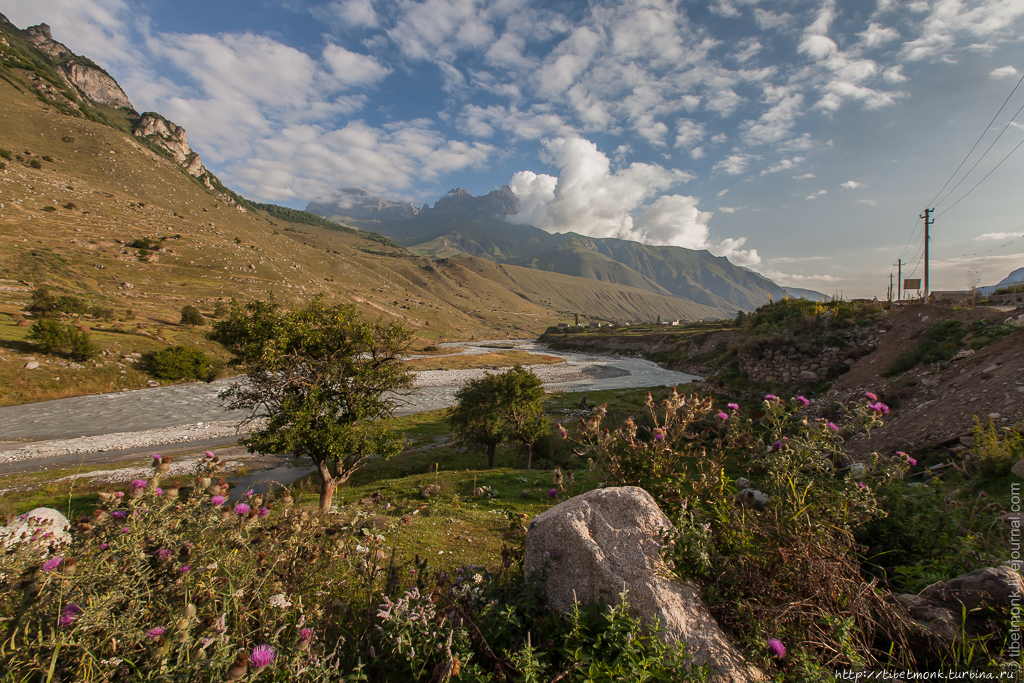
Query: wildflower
{"points": [[777, 648], [723, 416], [155, 633], [478, 578], [871, 397], [159, 491], [209, 454], [157, 456], [261, 656], [733, 406], [279, 600], [906, 457], [66, 620], [777, 446], [659, 435], [802, 400], [52, 564], [119, 494], [72, 608], [306, 634], [217, 501], [139, 483], [126, 530], [69, 613], [164, 554], [103, 546], [242, 509], [879, 408], [184, 568], [220, 625], [771, 397], [552, 493], [833, 427], [860, 485], [119, 514], [361, 549], [264, 512]]}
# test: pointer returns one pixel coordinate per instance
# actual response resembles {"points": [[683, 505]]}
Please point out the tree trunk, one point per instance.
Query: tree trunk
{"points": [[529, 455], [490, 456], [328, 484]]}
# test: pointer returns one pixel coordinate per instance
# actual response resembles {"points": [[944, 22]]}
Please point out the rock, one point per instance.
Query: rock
{"points": [[991, 586], [171, 138], [602, 543], [807, 374], [31, 365], [995, 416], [430, 490], [37, 522], [967, 441], [742, 483], [752, 498], [987, 372], [152, 383]]}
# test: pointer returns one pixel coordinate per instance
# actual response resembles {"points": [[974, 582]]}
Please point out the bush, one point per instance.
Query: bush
{"points": [[70, 304], [190, 315], [102, 313], [43, 301], [6, 154], [181, 362], [35, 163], [49, 335], [80, 348]]}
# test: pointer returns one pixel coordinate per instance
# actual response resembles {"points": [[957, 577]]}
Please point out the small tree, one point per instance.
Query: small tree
{"points": [[323, 378], [181, 362], [190, 315], [43, 301], [49, 335], [500, 408]]}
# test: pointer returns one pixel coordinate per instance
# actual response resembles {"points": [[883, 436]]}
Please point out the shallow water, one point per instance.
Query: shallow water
{"points": [[183, 404]]}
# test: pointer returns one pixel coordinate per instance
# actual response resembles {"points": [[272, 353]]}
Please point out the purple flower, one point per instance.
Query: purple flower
{"points": [[563, 433], [870, 396], [126, 530], [248, 494], [164, 554], [911, 460], [242, 509], [307, 633], [155, 633], [880, 407], [777, 648], [723, 416], [67, 620], [209, 454], [658, 436], [184, 568], [733, 406], [552, 493], [261, 656], [52, 564], [771, 397], [833, 427], [264, 512], [906, 457], [119, 514], [159, 491], [777, 446], [804, 401], [103, 546], [139, 483], [860, 485], [72, 608], [157, 456], [217, 501]]}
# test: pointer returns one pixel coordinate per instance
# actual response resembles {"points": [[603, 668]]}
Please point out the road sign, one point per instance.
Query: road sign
{"points": [[912, 284]]}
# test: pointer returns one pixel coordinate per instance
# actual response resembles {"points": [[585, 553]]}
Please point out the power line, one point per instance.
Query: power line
{"points": [[985, 178], [913, 234], [982, 156], [975, 145]]}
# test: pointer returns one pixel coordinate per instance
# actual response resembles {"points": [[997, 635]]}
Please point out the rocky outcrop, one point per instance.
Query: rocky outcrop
{"points": [[171, 138], [91, 82], [43, 526], [460, 202], [604, 542]]}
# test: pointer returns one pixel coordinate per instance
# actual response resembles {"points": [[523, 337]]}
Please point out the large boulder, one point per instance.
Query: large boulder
{"points": [[606, 541], [44, 526]]}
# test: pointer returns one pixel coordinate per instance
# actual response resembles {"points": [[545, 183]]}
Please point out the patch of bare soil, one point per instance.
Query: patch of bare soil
{"points": [[936, 404]]}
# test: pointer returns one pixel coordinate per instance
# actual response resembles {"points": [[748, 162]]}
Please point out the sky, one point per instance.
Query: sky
{"points": [[799, 139]]}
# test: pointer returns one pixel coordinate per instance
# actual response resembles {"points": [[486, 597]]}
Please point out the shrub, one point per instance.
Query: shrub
{"points": [[70, 206], [102, 313], [3, 166], [50, 335], [6, 154], [70, 304], [35, 163], [49, 209], [43, 301], [80, 348], [48, 158], [180, 362], [190, 315]]}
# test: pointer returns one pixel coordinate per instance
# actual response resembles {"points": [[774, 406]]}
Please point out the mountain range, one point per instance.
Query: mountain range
{"points": [[460, 224]]}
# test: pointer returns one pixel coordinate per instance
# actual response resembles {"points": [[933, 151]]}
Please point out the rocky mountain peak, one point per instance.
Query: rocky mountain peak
{"points": [[171, 138], [359, 204], [39, 29], [499, 203]]}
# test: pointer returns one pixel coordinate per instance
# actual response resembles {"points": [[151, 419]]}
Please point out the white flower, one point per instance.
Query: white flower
{"points": [[279, 601], [361, 549], [478, 578], [238, 593]]}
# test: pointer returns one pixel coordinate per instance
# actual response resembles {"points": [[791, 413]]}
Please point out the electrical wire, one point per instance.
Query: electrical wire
{"points": [[975, 145], [983, 179], [935, 205], [913, 235]]}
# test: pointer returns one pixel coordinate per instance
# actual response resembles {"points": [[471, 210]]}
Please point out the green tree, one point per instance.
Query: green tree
{"points": [[324, 379], [500, 408], [180, 362], [221, 309], [43, 301], [190, 315], [49, 335], [70, 304]]}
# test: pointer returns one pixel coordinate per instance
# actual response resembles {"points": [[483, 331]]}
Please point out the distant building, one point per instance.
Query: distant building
{"points": [[669, 323], [596, 324], [563, 326]]}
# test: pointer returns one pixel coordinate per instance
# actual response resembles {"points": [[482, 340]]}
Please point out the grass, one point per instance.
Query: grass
{"points": [[490, 361]]}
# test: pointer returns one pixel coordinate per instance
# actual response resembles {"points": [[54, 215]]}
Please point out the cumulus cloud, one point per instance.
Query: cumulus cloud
{"points": [[797, 280], [815, 195], [349, 13], [1003, 72], [999, 236], [851, 185], [783, 165], [588, 197], [734, 164]]}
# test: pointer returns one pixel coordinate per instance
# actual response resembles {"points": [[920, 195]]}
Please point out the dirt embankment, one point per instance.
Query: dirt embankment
{"points": [[935, 404], [691, 355]]}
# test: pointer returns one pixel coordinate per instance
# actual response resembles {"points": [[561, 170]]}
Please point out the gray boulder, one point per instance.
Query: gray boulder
{"points": [[45, 524], [606, 541]]}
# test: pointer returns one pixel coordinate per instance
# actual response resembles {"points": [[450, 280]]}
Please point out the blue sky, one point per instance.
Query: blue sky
{"points": [[800, 139]]}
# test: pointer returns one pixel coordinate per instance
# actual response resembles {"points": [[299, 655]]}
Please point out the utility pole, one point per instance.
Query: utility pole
{"points": [[899, 280], [928, 222], [889, 297]]}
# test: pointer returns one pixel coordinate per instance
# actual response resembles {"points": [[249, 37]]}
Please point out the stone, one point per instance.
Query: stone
{"points": [[430, 490], [152, 383], [742, 483], [752, 498], [990, 586], [1018, 469], [995, 416], [37, 522], [605, 542], [31, 365], [807, 374], [966, 441]]}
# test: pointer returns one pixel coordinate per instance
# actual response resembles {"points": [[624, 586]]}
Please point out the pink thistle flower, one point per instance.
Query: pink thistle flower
{"points": [[155, 633], [802, 400], [870, 396], [104, 546], [777, 446], [723, 416], [777, 648], [139, 483], [659, 436], [261, 656], [833, 427], [242, 509], [126, 530], [217, 501], [119, 514], [159, 491], [52, 564], [733, 406], [771, 397], [248, 494], [563, 433], [307, 633], [860, 485], [552, 493], [209, 454], [184, 568], [906, 457], [157, 456], [119, 494], [264, 512], [164, 554]]}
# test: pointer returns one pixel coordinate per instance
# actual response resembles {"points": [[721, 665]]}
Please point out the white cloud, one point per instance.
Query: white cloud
{"points": [[796, 280], [800, 259], [1003, 72], [815, 195], [731, 209], [722, 193], [894, 74], [782, 165], [851, 185], [350, 13], [775, 124], [876, 34], [689, 132], [805, 176], [697, 153], [767, 20], [869, 202], [999, 236], [734, 164]]}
